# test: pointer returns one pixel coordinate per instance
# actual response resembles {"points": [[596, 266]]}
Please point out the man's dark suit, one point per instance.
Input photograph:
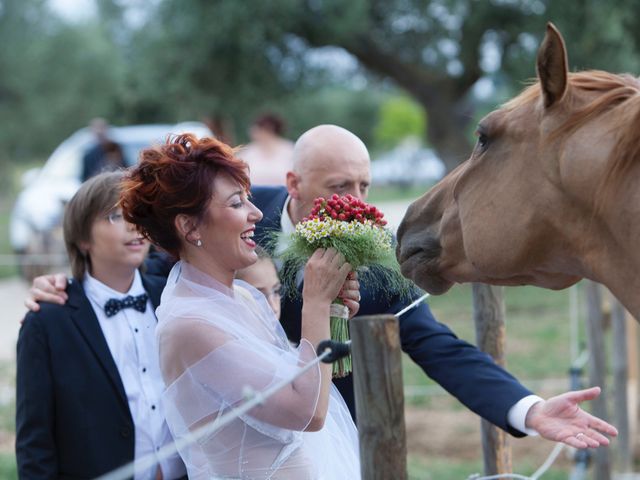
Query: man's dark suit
{"points": [[464, 371], [72, 415]]}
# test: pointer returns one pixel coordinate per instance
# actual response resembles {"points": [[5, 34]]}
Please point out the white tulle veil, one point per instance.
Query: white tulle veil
{"points": [[216, 344]]}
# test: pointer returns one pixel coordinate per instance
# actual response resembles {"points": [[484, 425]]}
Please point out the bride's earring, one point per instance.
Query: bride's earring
{"points": [[198, 243]]}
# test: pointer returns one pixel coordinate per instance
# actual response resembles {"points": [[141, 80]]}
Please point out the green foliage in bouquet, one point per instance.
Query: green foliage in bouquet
{"points": [[359, 232]]}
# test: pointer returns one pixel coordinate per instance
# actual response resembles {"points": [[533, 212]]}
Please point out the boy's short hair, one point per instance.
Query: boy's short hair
{"points": [[96, 197]]}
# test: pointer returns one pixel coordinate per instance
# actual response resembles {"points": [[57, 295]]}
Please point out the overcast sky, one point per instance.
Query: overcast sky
{"points": [[74, 10]]}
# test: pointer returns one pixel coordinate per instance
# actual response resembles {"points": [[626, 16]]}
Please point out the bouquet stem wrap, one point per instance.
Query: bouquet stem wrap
{"points": [[339, 325]]}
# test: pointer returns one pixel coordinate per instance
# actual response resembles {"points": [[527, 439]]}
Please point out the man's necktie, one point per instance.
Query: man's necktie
{"points": [[114, 305]]}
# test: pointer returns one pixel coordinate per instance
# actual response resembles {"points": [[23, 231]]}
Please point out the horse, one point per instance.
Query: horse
{"points": [[549, 195]]}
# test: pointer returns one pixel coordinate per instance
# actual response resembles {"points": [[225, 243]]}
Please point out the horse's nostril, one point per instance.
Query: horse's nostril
{"points": [[408, 252], [432, 246], [428, 247]]}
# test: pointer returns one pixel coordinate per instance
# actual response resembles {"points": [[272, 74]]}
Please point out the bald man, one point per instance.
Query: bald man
{"points": [[329, 159]]}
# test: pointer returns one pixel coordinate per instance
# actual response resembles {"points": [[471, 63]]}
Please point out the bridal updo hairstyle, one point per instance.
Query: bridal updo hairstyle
{"points": [[176, 178]]}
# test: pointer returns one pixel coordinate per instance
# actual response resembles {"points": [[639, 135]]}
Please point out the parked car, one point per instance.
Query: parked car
{"points": [[407, 164], [35, 225]]}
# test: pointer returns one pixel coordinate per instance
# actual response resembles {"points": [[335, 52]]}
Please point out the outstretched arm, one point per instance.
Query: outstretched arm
{"points": [[459, 367], [490, 391], [561, 419]]}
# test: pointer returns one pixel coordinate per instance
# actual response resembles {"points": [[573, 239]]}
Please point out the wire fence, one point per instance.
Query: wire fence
{"points": [[253, 399], [327, 354]]}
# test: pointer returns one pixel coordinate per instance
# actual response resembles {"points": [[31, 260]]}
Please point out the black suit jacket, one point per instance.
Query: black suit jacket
{"points": [[72, 415], [464, 371]]}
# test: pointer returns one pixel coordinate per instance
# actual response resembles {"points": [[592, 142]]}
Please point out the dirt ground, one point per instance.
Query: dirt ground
{"points": [[446, 431]]}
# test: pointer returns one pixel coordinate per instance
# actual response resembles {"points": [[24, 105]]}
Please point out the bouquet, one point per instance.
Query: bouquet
{"points": [[358, 231]]}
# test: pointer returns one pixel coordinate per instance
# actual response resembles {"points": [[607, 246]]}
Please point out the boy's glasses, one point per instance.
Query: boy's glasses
{"points": [[115, 217]]}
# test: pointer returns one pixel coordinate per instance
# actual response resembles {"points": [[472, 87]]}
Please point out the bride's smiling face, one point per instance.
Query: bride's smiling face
{"points": [[228, 225]]}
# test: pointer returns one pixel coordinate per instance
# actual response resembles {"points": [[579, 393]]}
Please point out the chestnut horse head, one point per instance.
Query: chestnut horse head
{"points": [[550, 194]]}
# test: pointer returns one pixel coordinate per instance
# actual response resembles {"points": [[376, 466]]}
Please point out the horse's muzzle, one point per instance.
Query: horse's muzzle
{"points": [[419, 259]]}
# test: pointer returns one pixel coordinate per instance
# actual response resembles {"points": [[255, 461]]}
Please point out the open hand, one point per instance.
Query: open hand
{"points": [[561, 419]]}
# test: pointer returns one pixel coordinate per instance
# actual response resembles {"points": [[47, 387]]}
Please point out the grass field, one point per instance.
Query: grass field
{"points": [[443, 436]]}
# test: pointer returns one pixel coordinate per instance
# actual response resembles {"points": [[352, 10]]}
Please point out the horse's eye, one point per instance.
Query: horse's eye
{"points": [[483, 140]]}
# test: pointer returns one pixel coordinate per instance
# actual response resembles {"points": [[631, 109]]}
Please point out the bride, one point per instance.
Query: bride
{"points": [[219, 339]]}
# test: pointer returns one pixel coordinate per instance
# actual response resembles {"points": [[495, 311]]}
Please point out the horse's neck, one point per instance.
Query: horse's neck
{"points": [[618, 271], [605, 242]]}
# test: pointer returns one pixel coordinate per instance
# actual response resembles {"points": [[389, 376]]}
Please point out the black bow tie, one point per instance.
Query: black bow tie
{"points": [[114, 305]]}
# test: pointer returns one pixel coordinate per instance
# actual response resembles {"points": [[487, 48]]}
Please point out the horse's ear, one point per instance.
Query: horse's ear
{"points": [[552, 66]]}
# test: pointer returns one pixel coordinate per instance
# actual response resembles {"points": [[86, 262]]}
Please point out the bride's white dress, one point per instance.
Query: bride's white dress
{"points": [[217, 343]]}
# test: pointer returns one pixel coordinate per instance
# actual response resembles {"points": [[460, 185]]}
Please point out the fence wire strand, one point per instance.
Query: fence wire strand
{"points": [[256, 398]]}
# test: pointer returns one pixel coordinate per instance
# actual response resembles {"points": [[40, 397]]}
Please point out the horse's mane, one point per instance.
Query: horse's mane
{"points": [[610, 91]]}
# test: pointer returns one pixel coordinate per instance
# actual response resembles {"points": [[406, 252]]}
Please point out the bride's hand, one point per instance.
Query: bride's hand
{"points": [[350, 294], [324, 275]]}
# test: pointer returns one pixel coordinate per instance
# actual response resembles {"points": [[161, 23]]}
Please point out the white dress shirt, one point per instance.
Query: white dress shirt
{"points": [[131, 338], [517, 413]]}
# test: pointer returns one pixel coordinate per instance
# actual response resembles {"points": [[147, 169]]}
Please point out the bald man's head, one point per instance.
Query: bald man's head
{"points": [[327, 159], [326, 143]]}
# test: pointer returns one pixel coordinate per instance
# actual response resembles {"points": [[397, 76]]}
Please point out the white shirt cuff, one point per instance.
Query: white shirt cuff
{"points": [[518, 413]]}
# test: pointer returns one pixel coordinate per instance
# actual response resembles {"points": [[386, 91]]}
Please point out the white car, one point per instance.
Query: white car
{"points": [[35, 224]]}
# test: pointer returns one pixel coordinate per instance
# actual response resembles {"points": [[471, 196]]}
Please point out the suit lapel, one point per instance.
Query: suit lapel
{"points": [[87, 323], [271, 206]]}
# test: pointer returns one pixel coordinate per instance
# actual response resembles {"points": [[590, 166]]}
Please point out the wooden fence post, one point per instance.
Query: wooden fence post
{"points": [[597, 369], [488, 315], [632, 381], [620, 383], [377, 379]]}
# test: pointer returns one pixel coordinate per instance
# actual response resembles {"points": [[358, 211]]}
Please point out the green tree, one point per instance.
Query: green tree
{"points": [[55, 77], [400, 117], [191, 59], [231, 55]]}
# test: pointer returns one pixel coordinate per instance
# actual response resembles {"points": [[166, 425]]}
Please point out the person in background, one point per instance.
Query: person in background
{"points": [[269, 155], [263, 276], [88, 380], [104, 155]]}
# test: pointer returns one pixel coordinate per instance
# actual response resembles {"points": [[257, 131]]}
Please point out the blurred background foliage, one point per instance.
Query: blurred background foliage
{"points": [[379, 68]]}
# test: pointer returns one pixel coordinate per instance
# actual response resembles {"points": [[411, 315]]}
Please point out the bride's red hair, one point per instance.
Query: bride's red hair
{"points": [[176, 178]]}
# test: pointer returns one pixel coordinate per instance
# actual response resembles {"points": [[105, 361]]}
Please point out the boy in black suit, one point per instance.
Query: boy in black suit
{"points": [[88, 380]]}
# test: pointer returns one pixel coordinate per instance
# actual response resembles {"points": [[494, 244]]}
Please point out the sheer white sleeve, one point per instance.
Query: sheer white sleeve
{"points": [[217, 345]]}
